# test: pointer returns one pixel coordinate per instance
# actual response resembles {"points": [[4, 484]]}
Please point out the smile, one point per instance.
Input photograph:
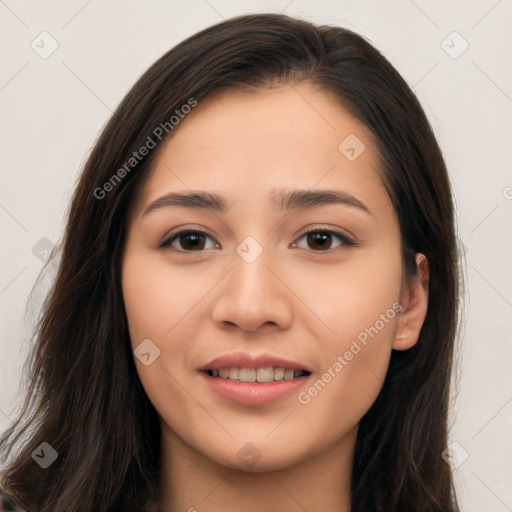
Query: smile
{"points": [[261, 374]]}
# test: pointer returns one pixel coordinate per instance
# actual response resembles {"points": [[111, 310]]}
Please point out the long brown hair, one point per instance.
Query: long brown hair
{"points": [[85, 398]]}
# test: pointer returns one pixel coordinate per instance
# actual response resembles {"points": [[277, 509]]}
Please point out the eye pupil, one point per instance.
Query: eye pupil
{"points": [[321, 238], [196, 241]]}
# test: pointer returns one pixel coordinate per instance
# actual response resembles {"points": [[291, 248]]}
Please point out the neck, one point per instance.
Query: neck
{"points": [[193, 483]]}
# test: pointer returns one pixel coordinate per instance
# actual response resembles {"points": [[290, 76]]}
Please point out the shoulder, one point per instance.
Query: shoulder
{"points": [[8, 503]]}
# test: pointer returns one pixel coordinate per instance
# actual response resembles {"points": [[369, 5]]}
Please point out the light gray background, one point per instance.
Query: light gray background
{"points": [[52, 110]]}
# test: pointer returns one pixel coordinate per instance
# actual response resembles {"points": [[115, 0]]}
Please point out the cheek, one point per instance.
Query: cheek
{"points": [[156, 295], [337, 399], [359, 303], [350, 296], [163, 304], [156, 301], [354, 365], [152, 309]]}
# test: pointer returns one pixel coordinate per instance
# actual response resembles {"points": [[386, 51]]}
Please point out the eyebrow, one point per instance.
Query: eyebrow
{"points": [[283, 200]]}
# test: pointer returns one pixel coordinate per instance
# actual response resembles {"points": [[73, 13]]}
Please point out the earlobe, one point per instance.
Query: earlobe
{"points": [[414, 302]]}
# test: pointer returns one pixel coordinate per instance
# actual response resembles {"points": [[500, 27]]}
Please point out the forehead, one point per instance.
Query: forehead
{"points": [[250, 143]]}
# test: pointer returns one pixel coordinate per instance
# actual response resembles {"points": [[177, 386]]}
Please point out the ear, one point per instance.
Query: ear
{"points": [[414, 302]]}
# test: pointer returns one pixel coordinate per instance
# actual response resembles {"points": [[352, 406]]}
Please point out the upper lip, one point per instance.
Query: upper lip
{"points": [[246, 360]]}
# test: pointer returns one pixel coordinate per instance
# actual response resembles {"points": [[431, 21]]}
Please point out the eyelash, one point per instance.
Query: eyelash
{"points": [[346, 241]]}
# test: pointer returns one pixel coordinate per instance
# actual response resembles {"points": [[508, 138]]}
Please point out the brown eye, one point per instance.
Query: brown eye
{"points": [[321, 240], [188, 241]]}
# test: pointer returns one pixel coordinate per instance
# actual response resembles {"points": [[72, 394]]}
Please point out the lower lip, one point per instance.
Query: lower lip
{"points": [[253, 393]]}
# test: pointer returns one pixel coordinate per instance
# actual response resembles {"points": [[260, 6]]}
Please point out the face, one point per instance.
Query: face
{"points": [[286, 270]]}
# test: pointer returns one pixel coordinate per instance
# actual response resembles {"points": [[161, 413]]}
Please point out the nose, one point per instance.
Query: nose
{"points": [[253, 296]]}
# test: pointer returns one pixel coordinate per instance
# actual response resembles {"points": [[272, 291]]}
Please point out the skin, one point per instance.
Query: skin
{"points": [[291, 301]]}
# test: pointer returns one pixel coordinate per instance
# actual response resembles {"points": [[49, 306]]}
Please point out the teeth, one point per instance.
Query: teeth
{"points": [[245, 374], [265, 374], [288, 374]]}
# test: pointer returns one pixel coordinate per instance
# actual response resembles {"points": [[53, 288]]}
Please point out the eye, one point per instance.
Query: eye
{"points": [[189, 241], [322, 240]]}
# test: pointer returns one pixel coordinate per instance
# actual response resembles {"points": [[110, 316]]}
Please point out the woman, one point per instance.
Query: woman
{"points": [[256, 304]]}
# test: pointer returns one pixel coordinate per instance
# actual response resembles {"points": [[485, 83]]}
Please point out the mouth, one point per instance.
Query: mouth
{"points": [[265, 374], [254, 379]]}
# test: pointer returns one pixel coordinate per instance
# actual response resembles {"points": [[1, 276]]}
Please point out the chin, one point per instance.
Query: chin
{"points": [[251, 459]]}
